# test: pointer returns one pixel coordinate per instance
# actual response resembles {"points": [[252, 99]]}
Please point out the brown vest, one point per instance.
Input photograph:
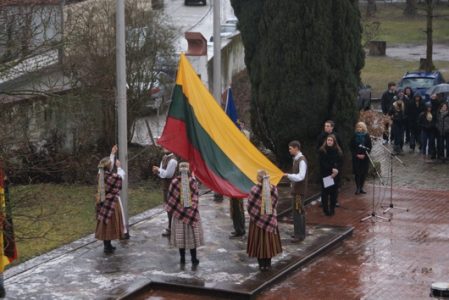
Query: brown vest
{"points": [[165, 160], [301, 186]]}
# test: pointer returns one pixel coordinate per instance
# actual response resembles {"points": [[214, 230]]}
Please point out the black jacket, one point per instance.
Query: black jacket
{"points": [[328, 161], [387, 101], [426, 124]]}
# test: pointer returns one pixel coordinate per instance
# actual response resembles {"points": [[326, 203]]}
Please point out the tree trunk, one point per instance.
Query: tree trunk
{"points": [[371, 8], [429, 31], [410, 8]]}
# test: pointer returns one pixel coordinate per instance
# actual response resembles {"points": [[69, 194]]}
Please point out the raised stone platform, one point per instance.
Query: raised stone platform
{"points": [[146, 261]]}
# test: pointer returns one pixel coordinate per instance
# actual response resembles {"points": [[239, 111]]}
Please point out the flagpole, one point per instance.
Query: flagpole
{"points": [[121, 101], [217, 53], [217, 65]]}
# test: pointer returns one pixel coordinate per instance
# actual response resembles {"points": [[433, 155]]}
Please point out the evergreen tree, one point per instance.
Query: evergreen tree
{"points": [[304, 59]]}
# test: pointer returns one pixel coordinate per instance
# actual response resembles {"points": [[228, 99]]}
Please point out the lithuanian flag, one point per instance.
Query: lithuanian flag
{"points": [[199, 131], [8, 251]]}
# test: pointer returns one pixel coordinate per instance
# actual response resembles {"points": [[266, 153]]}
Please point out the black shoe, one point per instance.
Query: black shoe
{"points": [[2, 292], [362, 191], [235, 235], [296, 240], [182, 261], [108, 250], [166, 233], [195, 262]]}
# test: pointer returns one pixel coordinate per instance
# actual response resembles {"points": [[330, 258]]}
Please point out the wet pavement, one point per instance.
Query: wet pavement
{"points": [[415, 52], [396, 259]]}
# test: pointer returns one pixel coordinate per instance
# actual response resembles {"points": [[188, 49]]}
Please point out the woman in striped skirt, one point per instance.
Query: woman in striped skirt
{"points": [[264, 241], [109, 208], [186, 230]]}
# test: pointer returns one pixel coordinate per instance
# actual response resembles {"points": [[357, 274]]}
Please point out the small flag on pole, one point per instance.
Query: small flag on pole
{"points": [[230, 109]]}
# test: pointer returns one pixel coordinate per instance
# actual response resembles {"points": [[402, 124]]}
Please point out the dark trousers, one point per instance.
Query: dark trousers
{"points": [[398, 135], [329, 199], [169, 215], [359, 181], [414, 137], [299, 219], [443, 145], [237, 215], [428, 141], [407, 132]]}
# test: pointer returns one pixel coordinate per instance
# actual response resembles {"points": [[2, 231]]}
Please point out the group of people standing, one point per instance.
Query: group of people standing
{"points": [[330, 157], [181, 198], [416, 120]]}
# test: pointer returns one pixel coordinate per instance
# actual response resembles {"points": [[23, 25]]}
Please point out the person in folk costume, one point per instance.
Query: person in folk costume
{"points": [[264, 240], [236, 207], [360, 147], [110, 218], [8, 250], [299, 182], [182, 204], [166, 171]]}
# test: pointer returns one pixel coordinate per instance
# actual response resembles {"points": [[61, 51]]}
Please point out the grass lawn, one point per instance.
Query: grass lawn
{"points": [[395, 28], [47, 216]]}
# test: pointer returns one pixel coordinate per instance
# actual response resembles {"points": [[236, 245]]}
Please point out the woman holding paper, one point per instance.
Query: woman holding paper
{"points": [[330, 156]]}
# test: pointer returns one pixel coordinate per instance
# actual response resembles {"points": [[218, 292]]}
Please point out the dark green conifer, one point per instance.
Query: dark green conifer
{"points": [[304, 59]]}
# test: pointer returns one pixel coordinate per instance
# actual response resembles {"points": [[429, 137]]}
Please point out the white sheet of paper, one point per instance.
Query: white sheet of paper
{"points": [[328, 181]]}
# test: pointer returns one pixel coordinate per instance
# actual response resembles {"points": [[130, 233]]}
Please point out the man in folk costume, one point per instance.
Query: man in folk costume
{"points": [[299, 180], [110, 218], [264, 240], [166, 171], [8, 251], [236, 209], [182, 204]]}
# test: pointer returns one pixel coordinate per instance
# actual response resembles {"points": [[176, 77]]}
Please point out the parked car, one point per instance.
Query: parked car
{"points": [[189, 2], [155, 92], [420, 80]]}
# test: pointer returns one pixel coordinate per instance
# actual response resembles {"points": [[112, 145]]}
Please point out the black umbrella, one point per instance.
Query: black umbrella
{"points": [[438, 89]]}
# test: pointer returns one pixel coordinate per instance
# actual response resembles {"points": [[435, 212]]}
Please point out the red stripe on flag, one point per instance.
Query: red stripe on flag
{"points": [[175, 140]]}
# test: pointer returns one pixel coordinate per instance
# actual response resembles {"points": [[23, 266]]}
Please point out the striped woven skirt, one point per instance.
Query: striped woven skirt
{"points": [[186, 236], [262, 243], [115, 227]]}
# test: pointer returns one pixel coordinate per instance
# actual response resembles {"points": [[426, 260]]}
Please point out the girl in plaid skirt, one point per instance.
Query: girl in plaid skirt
{"points": [[186, 230], [264, 241]]}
